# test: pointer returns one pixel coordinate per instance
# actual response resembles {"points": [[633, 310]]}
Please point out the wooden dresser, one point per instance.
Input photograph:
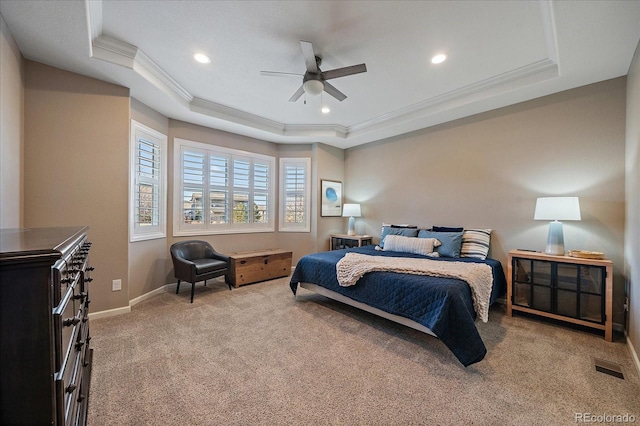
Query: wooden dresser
{"points": [[253, 266], [45, 358]]}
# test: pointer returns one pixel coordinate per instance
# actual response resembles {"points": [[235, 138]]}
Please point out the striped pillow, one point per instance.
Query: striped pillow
{"points": [[423, 246], [475, 243]]}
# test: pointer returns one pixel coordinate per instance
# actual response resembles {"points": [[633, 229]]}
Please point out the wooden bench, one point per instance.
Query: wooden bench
{"points": [[260, 265]]}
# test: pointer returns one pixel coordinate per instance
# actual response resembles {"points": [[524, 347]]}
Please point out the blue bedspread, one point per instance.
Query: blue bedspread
{"points": [[443, 305]]}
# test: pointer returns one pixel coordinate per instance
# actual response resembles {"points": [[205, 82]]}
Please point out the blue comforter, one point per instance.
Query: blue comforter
{"points": [[443, 305]]}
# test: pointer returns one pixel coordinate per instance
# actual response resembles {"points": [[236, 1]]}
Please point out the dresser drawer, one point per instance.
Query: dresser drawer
{"points": [[66, 319], [251, 267], [67, 383]]}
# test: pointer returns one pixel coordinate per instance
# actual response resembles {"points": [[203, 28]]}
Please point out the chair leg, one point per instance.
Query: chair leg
{"points": [[193, 289], [178, 287], [228, 281]]}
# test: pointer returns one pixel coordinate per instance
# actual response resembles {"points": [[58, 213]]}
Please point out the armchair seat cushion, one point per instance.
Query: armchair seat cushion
{"points": [[204, 266]]}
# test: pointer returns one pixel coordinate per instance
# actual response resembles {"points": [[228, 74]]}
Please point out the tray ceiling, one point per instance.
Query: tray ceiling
{"points": [[498, 53]]}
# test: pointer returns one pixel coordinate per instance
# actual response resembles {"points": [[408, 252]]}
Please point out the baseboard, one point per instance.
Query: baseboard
{"points": [[110, 313], [163, 289], [132, 302], [634, 354]]}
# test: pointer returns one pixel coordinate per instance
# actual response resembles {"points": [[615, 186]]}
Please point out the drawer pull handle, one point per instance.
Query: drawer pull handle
{"points": [[242, 262], [71, 388], [70, 321], [79, 345], [80, 296], [266, 260]]}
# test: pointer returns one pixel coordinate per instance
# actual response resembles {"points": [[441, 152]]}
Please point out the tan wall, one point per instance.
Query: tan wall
{"points": [[11, 130], [329, 164], [149, 261], [77, 167], [632, 231], [487, 170]]}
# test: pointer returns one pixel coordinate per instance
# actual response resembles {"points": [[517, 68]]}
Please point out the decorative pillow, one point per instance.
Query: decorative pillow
{"points": [[423, 246], [451, 242], [447, 229], [406, 231], [475, 243]]}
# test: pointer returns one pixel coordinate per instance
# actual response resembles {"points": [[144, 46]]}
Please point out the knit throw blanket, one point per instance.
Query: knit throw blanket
{"points": [[479, 276]]}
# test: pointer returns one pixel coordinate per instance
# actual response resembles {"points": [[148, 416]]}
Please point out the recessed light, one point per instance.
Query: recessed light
{"points": [[325, 110], [438, 59], [202, 58]]}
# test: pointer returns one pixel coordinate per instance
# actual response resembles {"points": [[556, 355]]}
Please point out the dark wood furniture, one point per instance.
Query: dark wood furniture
{"points": [[254, 266], [45, 357], [570, 289], [342, 241]]}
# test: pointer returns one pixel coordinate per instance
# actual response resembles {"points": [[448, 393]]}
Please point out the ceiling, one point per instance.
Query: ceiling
{"points": [[498, 53]]}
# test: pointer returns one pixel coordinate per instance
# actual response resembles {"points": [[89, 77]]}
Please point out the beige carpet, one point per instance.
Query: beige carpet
{"points": [[257, 355]]}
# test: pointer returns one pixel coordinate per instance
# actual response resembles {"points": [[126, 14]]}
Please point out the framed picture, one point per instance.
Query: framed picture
{"points": [[331, 198]]}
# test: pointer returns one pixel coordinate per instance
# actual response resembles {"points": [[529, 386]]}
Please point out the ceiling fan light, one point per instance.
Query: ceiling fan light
{"points": [[313, 87]]}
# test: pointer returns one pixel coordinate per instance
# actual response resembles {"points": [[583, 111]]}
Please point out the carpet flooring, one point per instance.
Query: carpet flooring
{"points": [[257, 355]]}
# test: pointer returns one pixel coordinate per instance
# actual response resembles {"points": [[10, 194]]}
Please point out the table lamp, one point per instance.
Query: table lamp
{"points": [[556, 209], [351, 211]]}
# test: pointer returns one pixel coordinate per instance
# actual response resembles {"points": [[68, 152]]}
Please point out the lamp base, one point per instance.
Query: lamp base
{"points": [[352, 226], [555, 239]]}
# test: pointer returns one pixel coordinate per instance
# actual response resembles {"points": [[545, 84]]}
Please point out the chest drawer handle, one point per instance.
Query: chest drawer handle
{"points": [[71, 388], [242, 262], [71, 321], [80, 296]]}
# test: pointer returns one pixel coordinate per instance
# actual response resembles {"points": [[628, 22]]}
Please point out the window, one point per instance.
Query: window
{"points": [[295, 196], [148, 177], [221, 190]]}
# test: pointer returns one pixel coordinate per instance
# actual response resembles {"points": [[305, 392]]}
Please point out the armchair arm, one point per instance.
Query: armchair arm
{"points": [[184, 269], [220, 256]]}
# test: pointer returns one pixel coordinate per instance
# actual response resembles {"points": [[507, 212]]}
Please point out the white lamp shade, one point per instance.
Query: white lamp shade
{"points": [[350, 210], [557, 208], [313, 87]]}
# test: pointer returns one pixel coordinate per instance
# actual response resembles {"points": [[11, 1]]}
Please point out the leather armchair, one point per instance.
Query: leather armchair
{"points": [[195, 260]]}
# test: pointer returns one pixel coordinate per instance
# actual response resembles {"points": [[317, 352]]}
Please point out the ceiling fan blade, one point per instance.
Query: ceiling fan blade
{"points": [[309, 56], [280, 74], [334, 92], [343, 72], [297, 95]]}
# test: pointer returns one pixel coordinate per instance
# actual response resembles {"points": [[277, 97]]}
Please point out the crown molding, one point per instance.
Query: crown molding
{"points": [[123, 54]]}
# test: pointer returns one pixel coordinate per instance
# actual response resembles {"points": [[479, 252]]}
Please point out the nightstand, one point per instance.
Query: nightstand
{"points": [[342, 241], [564, 288]]}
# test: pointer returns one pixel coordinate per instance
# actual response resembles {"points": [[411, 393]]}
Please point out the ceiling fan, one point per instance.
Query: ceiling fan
{"points": [[314, 81]]}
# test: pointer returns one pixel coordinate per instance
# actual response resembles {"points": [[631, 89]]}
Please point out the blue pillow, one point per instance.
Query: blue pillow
{"points": [[393, 230], [451, 242]]}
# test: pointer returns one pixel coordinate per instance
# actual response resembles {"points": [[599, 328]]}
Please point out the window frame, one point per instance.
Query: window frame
{"points": [[208, 150], [136, 232], [284, 226]]}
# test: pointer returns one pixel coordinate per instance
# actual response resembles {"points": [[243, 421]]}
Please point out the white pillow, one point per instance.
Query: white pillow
{"points": [[475, 243], [423, 246]]}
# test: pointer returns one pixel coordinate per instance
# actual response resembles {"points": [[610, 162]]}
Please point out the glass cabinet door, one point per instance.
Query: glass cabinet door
{"points": [[532, 284], [570, 290]]}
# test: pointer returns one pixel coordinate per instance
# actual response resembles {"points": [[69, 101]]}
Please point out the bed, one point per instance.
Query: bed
{"points": [[440, 306]]}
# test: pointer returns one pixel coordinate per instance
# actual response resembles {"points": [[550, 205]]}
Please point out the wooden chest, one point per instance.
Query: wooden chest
{"points": [[253, 266]]}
